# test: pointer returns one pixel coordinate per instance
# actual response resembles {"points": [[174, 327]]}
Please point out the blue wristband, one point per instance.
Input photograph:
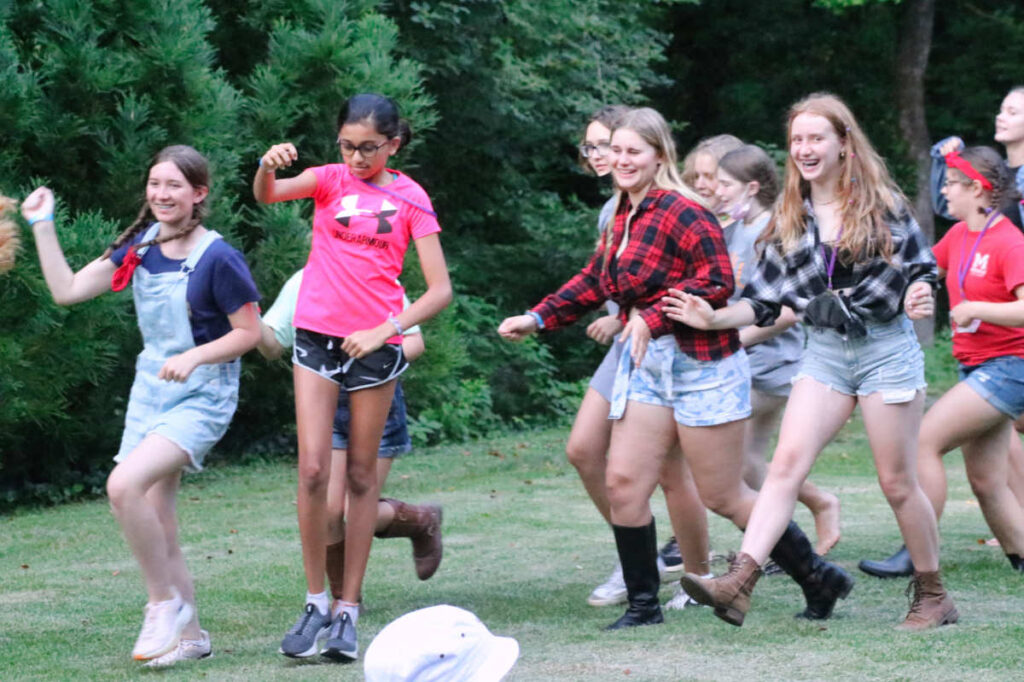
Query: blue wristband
{"points": [[536, 318], [39, 219]]}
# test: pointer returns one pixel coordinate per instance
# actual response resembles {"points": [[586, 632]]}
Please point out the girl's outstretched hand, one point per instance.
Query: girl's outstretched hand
{"points": [[279, 156], [39, 204], [604, 329], [689, 309], [517, 327]]}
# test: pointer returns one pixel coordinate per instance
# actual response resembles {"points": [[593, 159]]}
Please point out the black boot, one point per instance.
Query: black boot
{"points": [[638, 552], [898, 565], [1016, 561], [822, 582]]}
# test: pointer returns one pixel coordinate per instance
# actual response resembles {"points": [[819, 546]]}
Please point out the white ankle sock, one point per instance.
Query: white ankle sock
{"points": [[319, 601]]}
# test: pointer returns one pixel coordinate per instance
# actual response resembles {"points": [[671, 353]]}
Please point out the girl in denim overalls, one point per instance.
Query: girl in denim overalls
{"points": [[194, 301]]}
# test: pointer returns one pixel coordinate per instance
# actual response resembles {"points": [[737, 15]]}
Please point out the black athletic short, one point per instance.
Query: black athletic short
{"points": [[322, 353]]}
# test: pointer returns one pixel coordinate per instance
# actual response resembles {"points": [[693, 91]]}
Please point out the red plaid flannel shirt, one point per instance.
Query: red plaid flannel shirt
{"points": [[673, 242]]}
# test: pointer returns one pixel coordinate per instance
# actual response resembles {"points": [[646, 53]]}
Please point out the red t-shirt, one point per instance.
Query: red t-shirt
{"points": [[996, 269], [360, 235]]}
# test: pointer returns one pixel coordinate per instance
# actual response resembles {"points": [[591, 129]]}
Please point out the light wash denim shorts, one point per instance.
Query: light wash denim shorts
{"points": [[1000, 381], [700, 393], [194, 414], [888, 359]]}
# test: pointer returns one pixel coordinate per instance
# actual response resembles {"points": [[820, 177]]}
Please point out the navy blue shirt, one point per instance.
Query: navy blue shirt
{"points": [[218, 287]]}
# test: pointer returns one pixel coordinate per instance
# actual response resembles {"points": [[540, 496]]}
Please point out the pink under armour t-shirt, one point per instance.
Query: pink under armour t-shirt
{"points": [[360, 235]]}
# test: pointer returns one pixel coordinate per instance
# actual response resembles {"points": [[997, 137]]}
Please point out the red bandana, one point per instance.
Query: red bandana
{"points": [[123, 275], [954, 160]]}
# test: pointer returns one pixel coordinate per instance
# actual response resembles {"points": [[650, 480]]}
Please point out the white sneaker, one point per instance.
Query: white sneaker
{"points": [[161, 629], [680, 600], [187, 650], [612, 591], [669, 574]]}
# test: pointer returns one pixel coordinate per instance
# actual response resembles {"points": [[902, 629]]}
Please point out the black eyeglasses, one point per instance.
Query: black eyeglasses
{"points": [[367, 149], [602, 149]]}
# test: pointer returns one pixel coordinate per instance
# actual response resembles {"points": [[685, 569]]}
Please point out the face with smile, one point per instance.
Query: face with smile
{"points": [[170, 196], [961, 196], [1010, 121], [815, 146], [367, 166], [635, 162], [706, 168], [730, 193], [599, 136]]}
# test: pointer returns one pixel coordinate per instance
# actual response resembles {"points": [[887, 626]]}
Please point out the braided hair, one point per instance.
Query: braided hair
{"points": [[196, 170], [993, 168]]}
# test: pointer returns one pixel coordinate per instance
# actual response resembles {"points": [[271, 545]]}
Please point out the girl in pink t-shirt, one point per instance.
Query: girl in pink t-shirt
{"points": [[983, 260], [349, 321]]}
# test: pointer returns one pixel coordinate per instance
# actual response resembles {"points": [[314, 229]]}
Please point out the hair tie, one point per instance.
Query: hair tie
{"points": [[954, 160]]}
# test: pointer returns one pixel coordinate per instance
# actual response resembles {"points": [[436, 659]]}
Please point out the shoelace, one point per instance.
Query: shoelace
{"points": [[913, 603]]}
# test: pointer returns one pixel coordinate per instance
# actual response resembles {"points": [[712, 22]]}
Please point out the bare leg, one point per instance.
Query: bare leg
{"points": [[588, 447], [892, 431], [715, 456], [639, 444], [814, 414], [686, 511], [1017, 462], [766, 410], [385, 512], [153, 461], [315, 401], [986, 460], [163, 497], [369, 413], [959, 416]]}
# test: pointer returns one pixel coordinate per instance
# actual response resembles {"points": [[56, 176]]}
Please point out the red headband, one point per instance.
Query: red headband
{"points": [[954, 160]]}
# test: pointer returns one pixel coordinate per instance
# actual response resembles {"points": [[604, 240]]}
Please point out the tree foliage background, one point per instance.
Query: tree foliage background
{"points": [[496, 92]]}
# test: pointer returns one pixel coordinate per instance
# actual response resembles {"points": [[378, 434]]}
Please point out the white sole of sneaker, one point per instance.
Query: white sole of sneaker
{"points": [[180, 621], [606, 601], [341, 655], [672, 574]]}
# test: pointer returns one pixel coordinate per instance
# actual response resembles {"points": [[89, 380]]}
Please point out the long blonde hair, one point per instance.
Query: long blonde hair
{"points": [[866, 191]]}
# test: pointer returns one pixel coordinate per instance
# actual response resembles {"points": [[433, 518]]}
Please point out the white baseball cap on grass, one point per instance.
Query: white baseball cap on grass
{"points": [[439, 643]]}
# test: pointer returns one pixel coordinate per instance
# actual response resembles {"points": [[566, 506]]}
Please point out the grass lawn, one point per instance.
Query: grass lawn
{"points": [[523, 548]]}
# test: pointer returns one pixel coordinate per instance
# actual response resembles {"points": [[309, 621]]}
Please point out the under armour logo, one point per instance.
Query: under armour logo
{"points": [[349, 210]]}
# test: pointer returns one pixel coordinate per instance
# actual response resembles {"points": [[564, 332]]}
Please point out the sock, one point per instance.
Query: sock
{"points": [[319, 601], [351, 609]]}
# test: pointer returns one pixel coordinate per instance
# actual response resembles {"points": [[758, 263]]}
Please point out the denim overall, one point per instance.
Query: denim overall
{"points": [[193, 414]]}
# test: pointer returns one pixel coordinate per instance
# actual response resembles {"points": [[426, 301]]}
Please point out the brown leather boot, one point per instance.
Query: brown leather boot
{"points": [[335, 566], [421, 524], [931, 605], [729, 594]]}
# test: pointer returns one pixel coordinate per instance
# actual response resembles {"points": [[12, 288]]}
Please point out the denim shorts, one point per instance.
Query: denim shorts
{"points": [[395, 440], [888, 359], [193, 414], [1000, 381], [604, 378], [322, 353], [700, 393]]}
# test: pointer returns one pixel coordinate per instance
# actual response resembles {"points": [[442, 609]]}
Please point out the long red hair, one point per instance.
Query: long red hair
{"points": [[867, 192]]}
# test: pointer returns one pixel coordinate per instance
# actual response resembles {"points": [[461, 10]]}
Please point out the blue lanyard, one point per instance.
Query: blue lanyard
{"points": [[397, 196], [965, 263]]}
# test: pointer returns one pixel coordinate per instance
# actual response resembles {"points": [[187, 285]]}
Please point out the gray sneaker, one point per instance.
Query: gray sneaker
{"points": [[342, 645], [303, 640]]}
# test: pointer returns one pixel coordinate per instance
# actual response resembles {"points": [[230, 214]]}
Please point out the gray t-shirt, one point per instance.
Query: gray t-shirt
{"points": [[775, 361], [604, 219]]}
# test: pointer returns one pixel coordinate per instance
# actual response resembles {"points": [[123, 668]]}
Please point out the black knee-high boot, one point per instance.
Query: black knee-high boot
{"points": [[638, 552], [822, 582]]}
